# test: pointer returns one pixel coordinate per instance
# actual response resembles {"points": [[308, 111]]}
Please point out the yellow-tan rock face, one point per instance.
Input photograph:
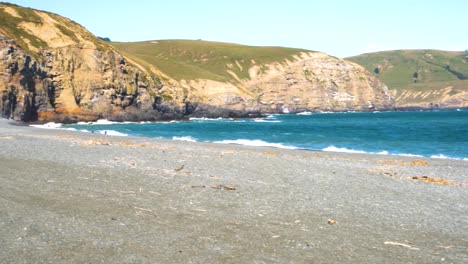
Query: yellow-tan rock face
{"points": [[71, 75], [311, 82]]}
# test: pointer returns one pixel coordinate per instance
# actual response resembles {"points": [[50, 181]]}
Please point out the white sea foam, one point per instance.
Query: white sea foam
{"points": [[207, 119], [105, 122], [408, 155], [329, 112], [344, 150], [84, 123], [163, 122], [442, 156], [439, 156], [383, 152], [261, 120], [304, 113], [50, 125], [166, 122], [111, 133], [186, 138], [255, 142]]}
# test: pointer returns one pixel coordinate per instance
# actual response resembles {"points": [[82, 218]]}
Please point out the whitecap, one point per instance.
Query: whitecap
{"points": [[408, 155], [439, 156], [185, 138], [383, 152], [442, 156], [112, 133], [50, 125], [344, 150], [206, 119], [103, 122], [260, 120], [304, 113], [255, 142], [84, 123], [100, 122], [164, 122], [272, 116]]}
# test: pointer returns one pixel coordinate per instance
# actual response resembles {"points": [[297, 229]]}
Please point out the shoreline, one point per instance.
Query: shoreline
{"points": [[242, 142], [258, 115], [68, 196]]}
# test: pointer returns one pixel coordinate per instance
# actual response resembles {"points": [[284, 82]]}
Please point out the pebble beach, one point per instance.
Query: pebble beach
{"points": [[72, 197]]}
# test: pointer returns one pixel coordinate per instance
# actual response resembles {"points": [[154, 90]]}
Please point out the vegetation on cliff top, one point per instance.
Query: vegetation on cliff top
{"points": [[416, 69], [198, 59], [10, 25], [14, 18], [420, 77]]}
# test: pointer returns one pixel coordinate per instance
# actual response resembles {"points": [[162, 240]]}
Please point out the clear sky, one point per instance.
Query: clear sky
{"points": [[338, 27]]}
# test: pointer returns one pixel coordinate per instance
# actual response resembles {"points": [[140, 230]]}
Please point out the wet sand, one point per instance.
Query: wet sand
{"points": [[69, 197]]}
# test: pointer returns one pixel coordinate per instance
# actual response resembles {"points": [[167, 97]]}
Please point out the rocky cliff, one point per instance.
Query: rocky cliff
{"points": [[308, 81], [249, 79], [53, 69], [314, 81]]}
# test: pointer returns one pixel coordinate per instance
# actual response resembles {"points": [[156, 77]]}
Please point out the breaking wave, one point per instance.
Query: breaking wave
{"points": [[384, 152], [186, 138], [255, 142], [111, 133]]}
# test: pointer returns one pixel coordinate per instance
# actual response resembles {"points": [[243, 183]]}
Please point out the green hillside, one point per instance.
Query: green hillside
{"points": [[416, 69], [10, 23], [197, 59], [13, 19]]}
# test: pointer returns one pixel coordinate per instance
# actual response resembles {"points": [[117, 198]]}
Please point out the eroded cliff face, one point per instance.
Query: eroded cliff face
{"points": [[75, 82], [448, 97], [309, 82], [81, 82], [52, 69]]}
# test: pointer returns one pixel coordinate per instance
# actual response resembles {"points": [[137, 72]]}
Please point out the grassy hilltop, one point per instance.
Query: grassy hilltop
{"points": [[22, 24], [404, 68], [418, 76], [197, 59]]}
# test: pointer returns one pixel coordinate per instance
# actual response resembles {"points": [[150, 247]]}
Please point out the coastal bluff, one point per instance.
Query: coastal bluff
{"points": [[53, 69]]}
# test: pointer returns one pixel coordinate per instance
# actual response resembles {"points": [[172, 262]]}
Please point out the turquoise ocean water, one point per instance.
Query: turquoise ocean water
{"points": [[442, 134]]}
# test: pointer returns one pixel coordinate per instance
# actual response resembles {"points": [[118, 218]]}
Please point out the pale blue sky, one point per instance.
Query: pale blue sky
{"points": [[338, 27]]}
